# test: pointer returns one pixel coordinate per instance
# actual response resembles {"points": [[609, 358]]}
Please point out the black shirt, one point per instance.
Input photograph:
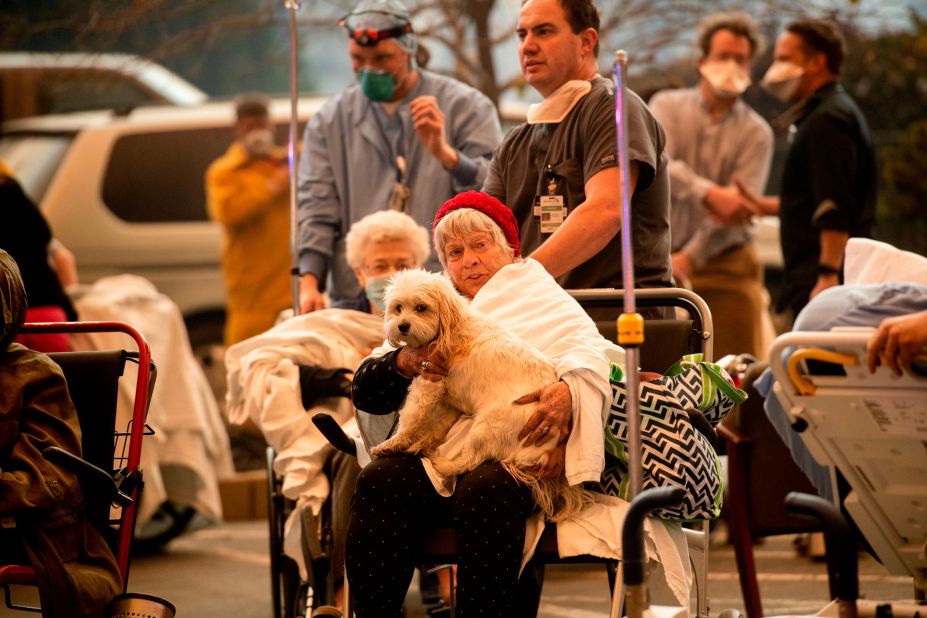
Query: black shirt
{"points": [[25, 235], [829, 183]]}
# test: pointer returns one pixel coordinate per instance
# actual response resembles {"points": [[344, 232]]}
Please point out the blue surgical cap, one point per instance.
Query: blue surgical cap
{"points": [[382, 16]]}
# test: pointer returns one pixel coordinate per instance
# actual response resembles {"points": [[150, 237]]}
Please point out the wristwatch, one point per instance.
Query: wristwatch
{"points": [[827, 269]]}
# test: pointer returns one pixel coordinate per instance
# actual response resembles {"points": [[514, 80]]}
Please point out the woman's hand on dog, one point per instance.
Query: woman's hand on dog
{"points": [[424, 362], [553, 416]]}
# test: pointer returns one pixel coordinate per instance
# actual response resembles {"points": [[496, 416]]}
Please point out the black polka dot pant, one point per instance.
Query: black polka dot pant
{"points": [[394, 508]]}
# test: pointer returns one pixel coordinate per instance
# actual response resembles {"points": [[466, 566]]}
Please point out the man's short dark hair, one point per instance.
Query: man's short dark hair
{"points": [[735, 22], [821, 36], [251, 106], [582, 14]]}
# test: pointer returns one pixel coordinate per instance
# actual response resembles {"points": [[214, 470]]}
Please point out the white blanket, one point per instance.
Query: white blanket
{"points": [[561, 330], [263, 385], [188, 426]]}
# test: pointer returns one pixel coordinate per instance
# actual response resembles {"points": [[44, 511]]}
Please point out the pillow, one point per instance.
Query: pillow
{"points": [[871, 261]]}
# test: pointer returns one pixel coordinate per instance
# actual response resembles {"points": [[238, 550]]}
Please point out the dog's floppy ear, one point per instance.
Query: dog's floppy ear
{"points": [[393, 286], [450, 307]]}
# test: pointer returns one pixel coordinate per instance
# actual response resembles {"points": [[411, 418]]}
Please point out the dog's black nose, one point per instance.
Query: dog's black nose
{"points": [[404, 328]]}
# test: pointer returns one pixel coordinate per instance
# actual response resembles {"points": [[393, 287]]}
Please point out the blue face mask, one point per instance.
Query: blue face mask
{"points": [[377, 85], [376, 292]]}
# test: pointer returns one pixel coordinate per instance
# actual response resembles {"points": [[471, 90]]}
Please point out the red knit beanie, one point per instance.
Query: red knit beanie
{"points": [[489, 206]]}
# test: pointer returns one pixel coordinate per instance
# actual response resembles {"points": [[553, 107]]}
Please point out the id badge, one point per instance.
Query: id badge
{"points": [[550, 208], [552, 212]]}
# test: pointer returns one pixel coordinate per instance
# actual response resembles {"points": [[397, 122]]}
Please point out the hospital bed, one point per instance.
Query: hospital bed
{"points": [[869, 427]]}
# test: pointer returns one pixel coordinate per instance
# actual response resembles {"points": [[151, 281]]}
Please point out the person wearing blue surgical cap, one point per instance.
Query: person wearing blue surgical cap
{"points": [[399, 138]]}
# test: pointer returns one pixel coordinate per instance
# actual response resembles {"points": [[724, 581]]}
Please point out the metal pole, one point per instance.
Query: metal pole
{"points": [[293, 153], [630, 323]]}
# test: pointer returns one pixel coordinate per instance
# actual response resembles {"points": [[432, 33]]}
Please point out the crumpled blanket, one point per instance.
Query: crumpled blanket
{"points": [[263, 385], [189, 432]]}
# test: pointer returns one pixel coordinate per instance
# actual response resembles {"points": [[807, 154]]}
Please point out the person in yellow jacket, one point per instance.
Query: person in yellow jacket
{"points": [[246, 191]]}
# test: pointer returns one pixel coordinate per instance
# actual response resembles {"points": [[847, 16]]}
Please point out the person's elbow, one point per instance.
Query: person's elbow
{"points": [[606, 212]]}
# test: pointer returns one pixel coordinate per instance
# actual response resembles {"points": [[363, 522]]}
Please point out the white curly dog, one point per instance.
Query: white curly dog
{"points": [[488, 369]]}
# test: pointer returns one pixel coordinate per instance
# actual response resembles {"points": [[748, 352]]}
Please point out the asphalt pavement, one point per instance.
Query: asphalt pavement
{"points": [[224, 571]]}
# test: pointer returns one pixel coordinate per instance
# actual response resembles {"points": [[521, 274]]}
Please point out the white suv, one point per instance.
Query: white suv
{"points": [[126, 194], [42, 83]]}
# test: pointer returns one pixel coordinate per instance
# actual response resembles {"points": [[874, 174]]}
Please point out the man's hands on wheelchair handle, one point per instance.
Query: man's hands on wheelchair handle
{"points": [[897, 342]]}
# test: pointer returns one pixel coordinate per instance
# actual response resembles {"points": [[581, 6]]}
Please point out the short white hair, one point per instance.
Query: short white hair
{"points": [[458, 223], [386, 226]]}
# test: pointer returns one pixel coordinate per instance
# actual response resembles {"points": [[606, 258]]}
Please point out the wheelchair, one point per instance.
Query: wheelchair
{"points": [[109, 473], [292, 596], [666, 341]]}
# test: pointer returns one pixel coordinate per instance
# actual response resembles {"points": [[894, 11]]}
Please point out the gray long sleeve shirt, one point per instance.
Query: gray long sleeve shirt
{"points": [[705, 152], [348, 168]]}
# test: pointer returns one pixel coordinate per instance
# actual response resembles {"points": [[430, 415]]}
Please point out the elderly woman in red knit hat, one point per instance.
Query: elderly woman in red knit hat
{"points": [[400, 497]]}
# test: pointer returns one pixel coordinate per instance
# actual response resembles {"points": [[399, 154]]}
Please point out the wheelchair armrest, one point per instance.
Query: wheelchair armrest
{"points": [[333, 432], [732, 436], [87, 473]]}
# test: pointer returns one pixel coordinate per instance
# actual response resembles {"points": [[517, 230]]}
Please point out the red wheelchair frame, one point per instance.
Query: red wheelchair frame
{"points": [[125, 473]]}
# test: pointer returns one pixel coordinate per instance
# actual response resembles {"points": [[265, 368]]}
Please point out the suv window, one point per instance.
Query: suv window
{"points": [[159, 177], [34, 159], [50, 91]]}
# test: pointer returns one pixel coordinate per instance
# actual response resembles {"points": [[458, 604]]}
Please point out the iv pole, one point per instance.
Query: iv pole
{"points": [[293, 154], [630, 323]]}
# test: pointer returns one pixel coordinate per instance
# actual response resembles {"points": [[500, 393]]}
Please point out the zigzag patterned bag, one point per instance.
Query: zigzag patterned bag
{"points": [[674, 452]]}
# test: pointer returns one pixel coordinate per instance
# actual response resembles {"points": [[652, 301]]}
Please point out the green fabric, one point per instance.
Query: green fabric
{"points": [[712, 380], [615, 374]]}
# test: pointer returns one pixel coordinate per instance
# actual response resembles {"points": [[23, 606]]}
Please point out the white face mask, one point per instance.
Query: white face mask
{"points": [[727, 78], [258, 142], [782, 80]]}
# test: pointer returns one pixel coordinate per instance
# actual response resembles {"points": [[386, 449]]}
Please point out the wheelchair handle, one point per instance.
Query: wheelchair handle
{"points": [[842, 566], [632, 532], [333, 432], [802, 384]]}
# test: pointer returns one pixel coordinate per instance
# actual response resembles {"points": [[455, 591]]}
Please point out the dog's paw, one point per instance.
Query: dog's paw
{"points": [[387, 448], [379, 451], [445, 466]]}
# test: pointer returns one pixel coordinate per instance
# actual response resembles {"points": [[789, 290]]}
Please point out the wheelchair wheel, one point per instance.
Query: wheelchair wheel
{"points": [[291, 596], [275, 519], [296, 593]]}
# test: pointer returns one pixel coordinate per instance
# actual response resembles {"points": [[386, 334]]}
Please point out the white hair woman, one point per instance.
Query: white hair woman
{"points": [[381, 244], [326, 345]]}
